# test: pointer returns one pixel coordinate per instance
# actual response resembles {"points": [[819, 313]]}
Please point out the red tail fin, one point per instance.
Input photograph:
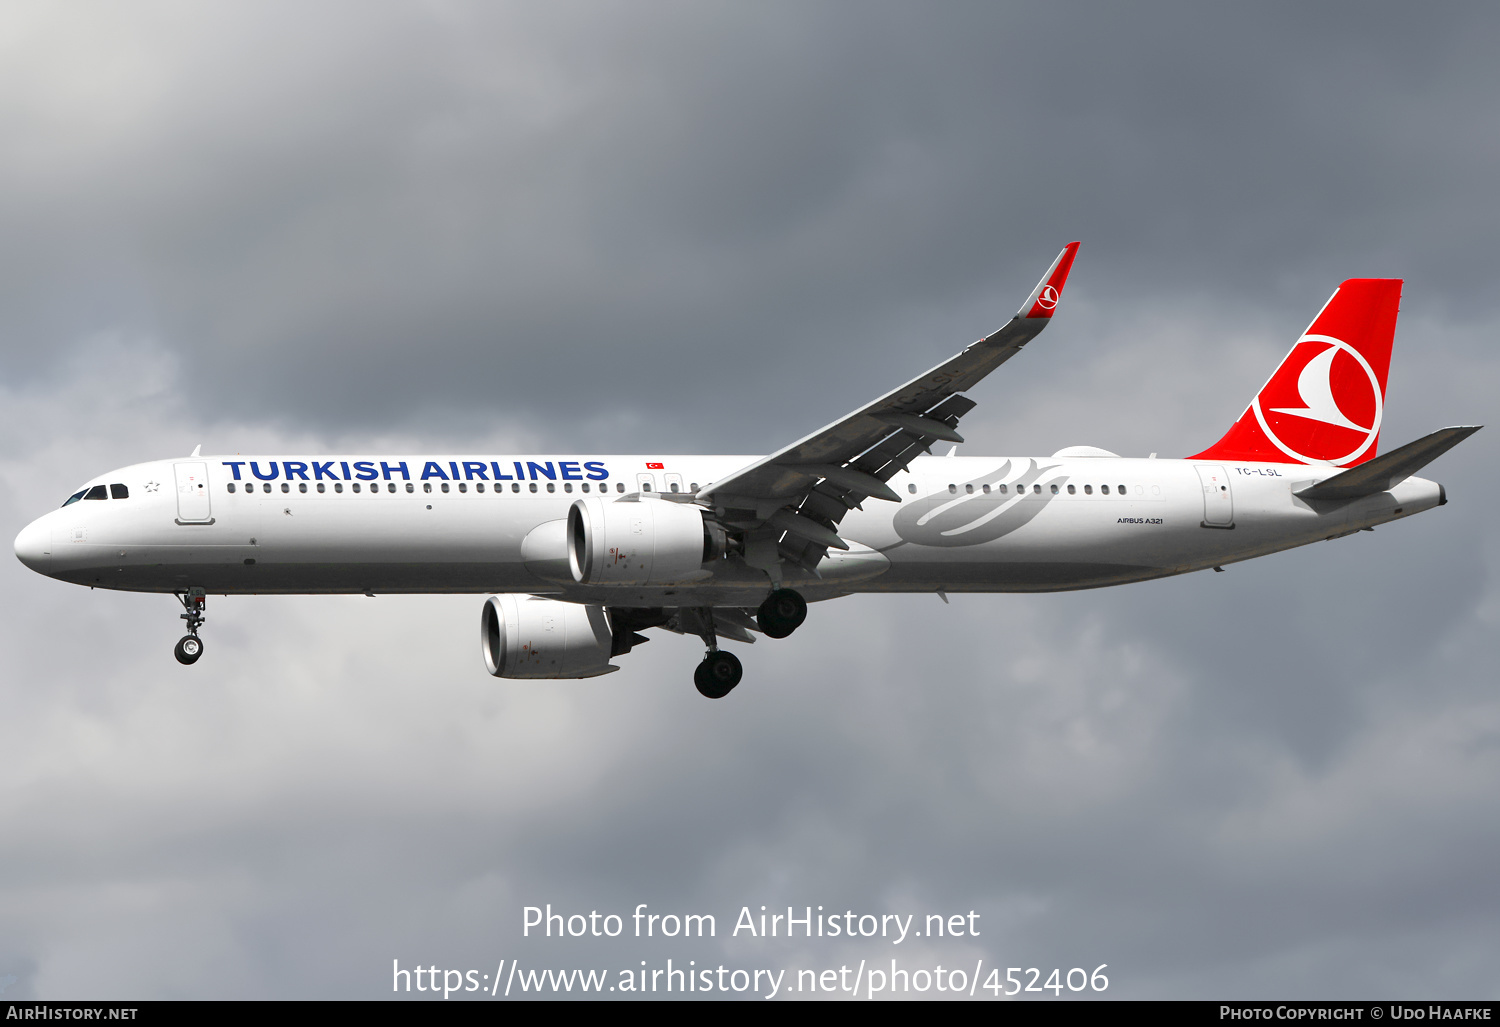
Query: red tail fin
{"points": [[1325, 402]]}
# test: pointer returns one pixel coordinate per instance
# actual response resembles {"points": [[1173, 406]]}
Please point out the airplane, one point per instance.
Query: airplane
{"points": [[581, 553]]}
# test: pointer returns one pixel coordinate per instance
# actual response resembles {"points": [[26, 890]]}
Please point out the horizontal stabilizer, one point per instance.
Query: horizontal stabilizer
{"points": [[1388, 471]]}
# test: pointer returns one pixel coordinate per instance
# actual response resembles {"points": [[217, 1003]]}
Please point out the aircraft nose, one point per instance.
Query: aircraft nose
{"points": [[34, 547]]}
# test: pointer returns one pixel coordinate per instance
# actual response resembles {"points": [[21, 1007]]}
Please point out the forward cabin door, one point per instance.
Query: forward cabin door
{"points": [[192, 493], [1218, 501]]}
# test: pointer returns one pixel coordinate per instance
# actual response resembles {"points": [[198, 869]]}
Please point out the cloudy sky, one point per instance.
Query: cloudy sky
{"points": [[679, 227]]}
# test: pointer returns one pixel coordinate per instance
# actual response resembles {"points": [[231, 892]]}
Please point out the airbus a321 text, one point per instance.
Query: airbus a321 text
{"points": [[580, 553]]}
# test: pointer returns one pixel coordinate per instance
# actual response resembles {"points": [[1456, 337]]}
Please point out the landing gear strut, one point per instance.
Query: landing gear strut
{"points": [[190, 646], [782, 613]]}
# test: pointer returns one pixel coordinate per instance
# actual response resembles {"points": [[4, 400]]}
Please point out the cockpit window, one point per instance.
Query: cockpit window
{"points": [[97, 492], [75, 497], [119, 492]]}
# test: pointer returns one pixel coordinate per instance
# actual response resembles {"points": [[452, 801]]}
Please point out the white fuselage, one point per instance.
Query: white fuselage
{"points": [[964, 524]]}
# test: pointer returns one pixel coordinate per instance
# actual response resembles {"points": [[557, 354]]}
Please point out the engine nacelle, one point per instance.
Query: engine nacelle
{"points": [[645, 542], [527, 637]]}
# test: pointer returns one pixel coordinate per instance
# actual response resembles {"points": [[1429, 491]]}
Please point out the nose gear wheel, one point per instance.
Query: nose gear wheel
{"points": [[190, 646]]}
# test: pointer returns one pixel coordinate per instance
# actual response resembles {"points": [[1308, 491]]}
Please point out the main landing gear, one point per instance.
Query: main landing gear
{"points": [[717, 675], [190, 646], [782, 613]]}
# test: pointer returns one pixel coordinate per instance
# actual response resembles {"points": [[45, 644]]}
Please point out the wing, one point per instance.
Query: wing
{"points": [[788, 505]]}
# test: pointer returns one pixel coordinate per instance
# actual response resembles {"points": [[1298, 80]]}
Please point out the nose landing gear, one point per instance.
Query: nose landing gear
{"points": [[190, 646]]}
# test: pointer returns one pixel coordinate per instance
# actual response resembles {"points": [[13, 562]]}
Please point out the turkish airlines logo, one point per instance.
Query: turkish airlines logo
{"points": [[1047, 299], [1333, 409]]}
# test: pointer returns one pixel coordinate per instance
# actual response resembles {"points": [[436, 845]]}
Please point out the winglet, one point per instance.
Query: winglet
{"points": [[1043, 299]]}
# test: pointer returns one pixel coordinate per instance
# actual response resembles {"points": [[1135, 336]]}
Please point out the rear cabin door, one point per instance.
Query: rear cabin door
{"points": [[192, 493], [1218, 501]]}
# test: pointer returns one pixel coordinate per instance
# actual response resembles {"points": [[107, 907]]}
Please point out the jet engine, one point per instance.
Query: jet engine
{"points": [[642, 542], [528, 637]]}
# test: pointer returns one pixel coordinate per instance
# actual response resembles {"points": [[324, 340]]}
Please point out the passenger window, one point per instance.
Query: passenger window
{"points": [[569, 487], [119, 492], [551, 487], [676, 487], [410, 487], [231, 486], [444, 486], [1037, 489], [97, 492], [322, 487], [619, 486], [693, 486], [1120, 489], [338, 486], [515, 486], [463, 486], [969, 489], [75, 497], [1104, 490], [266, 487], [952, 490], [285, 487], [355, 486], [1054, 490], [426, 486], [479, 486], [1088, 490], [912, 489], [585, 486], [1072, 490], [1003, 488], [533, 486], [302, 486], [645, 486]]}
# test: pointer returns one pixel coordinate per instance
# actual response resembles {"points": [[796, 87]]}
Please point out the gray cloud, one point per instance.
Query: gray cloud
{"points": [[268, 227]]}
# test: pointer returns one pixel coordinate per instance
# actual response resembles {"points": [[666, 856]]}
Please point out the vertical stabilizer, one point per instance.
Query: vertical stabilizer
{"points": [[1325, 402]]}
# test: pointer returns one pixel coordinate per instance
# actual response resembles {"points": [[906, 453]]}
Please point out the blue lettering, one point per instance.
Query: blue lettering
{"points": [[386, 469], [475, 467], [596, 470], [546, 469], [366, 469], [569, 470], [324, 470], [295, 469], [255, 470], [520, 474], [498, 476], [454, 464], [235, 466], [347, 473], [432, 470]]}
